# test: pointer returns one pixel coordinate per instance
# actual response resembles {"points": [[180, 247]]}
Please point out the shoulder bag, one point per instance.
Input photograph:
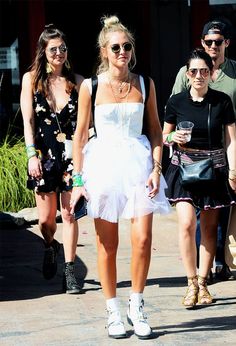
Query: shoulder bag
{"points": [[200, 172]]}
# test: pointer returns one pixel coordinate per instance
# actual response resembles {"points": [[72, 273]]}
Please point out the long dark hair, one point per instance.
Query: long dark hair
{"points": [[40, 76]]}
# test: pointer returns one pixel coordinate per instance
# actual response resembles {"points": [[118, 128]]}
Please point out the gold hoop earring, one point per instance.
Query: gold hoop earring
{"points": [[67, 65], [48, 68]]}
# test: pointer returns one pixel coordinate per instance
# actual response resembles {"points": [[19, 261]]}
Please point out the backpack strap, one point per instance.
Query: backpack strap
{"points": [[94, 81]]}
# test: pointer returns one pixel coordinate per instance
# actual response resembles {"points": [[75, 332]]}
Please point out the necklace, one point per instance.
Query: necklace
{"points": [[123, 85], [61, 137], [121, 106]]}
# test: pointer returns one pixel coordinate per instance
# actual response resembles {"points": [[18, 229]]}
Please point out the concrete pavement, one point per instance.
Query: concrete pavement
{"points": [[34, 312]]}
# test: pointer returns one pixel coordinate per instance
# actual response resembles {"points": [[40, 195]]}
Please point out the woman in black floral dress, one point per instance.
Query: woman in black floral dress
{"points": [[49, 107]]}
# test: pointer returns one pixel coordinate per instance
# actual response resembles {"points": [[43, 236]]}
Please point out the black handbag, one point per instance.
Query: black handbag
{"points": [[80, 209], [201, 172]]}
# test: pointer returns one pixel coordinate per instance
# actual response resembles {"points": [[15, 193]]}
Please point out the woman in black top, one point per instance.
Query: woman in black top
{"points": [[49, 108], [194, 105]]}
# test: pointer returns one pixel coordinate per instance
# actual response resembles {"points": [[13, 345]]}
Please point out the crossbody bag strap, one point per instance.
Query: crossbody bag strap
{"points": [[209, 126]]}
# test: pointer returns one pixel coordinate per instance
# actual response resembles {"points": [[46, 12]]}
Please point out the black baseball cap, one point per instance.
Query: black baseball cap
{"points": [[216, 26]]}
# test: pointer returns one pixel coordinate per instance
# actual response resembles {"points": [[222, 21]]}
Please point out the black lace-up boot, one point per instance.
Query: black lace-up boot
{"points": [[70, 284], [50, 259]]}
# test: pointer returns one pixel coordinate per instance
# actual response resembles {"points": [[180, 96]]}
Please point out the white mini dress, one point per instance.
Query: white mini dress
{"points": [[118, 162]]}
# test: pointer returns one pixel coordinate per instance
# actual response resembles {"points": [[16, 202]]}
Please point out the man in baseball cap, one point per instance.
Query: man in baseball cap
{"points": [[215, 40]]}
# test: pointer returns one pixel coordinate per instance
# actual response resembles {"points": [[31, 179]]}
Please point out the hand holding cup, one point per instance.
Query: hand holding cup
{"points": [[186, 129]]}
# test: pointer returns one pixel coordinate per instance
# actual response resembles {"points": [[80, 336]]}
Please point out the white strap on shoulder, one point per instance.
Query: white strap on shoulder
{"points": [[141, 81]]}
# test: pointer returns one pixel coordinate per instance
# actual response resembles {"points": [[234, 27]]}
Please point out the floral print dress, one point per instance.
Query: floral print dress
{"points": [[50, 128]]}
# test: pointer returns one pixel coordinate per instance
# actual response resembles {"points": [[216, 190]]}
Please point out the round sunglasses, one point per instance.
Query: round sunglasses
{"points": [[210, 42], [117, 47], [62, 49]]}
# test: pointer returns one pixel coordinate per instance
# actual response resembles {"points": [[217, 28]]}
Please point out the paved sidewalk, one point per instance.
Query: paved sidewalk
{"points": [[34, 312]]}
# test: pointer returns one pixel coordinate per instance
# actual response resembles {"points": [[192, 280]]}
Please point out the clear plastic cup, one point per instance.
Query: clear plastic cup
{"points": [[186, 127]]}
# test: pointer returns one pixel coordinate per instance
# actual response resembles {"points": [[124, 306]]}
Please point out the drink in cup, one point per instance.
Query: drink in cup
{"points": [[186, 127]]}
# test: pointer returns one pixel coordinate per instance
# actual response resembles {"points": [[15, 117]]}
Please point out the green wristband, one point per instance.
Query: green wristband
{"points": [[170, 137], [77, 180], [31, 151]]}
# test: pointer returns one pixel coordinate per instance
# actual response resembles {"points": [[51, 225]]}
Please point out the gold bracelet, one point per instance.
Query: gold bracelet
{"points": [[232, 179], [156, 163], [157, 170]]}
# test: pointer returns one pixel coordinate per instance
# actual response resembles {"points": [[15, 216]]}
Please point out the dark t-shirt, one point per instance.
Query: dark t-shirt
{"points": [[181, 107]]}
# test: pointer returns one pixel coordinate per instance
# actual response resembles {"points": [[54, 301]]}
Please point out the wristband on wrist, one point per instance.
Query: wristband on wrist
{"points": [[77, 180], [31, 151], [169, 138]]}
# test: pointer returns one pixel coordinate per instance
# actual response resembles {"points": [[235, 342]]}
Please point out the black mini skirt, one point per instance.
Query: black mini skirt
{"points": [[218, 194]]}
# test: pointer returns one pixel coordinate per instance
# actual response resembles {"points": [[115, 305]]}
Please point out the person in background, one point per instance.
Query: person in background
{"points": [[215, 40], [119, 170], [48, 100], [208, 110]]}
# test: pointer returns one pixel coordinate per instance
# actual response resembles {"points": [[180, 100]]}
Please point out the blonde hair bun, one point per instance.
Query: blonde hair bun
{"points": [[108, 22]]}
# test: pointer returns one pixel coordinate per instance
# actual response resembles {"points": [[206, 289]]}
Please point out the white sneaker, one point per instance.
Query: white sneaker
{"points": [[115, 326], [138, 319]]}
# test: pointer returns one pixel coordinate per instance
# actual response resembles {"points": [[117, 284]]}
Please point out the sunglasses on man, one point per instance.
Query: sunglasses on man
{"points": [[117, 47], [210, 42]]}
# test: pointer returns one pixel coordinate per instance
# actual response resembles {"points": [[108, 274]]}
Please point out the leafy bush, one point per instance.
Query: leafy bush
{"points": [[14, 194]]}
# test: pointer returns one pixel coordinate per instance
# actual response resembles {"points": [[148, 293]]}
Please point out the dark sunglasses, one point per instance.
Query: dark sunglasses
{"points": [[204, 72], [62, 49], [117, 47], [217, 42]]}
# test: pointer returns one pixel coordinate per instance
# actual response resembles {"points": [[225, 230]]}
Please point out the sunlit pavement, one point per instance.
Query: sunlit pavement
{"points": [[35, 312]]}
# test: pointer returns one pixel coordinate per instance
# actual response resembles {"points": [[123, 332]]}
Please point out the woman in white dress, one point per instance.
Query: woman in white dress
{"points": [[119, 170]]}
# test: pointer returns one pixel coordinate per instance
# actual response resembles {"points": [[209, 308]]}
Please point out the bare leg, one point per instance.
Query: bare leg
{"points": [[107, 244], [187, 229], [70, 239], [47, 208], [70, 228], [141, 240], [209, 222]]}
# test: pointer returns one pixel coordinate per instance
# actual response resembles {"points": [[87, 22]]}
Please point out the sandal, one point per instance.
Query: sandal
{"points": [[191, 297], [204, 296]]}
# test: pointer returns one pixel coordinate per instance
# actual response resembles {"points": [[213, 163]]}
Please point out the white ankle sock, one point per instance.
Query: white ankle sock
{"points": [[112, 304], [136, 298]]}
